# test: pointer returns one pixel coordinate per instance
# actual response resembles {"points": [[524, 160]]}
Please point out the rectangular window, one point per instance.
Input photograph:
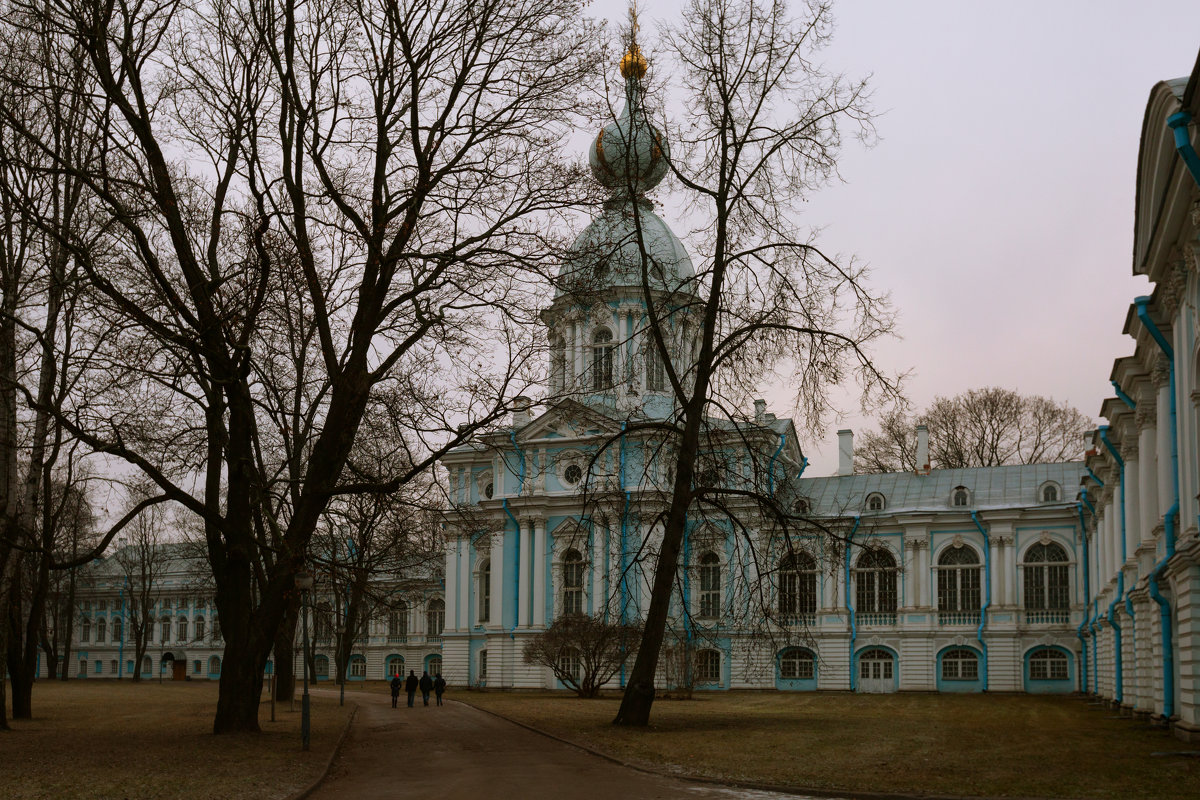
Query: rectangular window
{"points": [[99, 667], [656, 371], [102, 605], [196, 667], [83, 666], [483, 665]]}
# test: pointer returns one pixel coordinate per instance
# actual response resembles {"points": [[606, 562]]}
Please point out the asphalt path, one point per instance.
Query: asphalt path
{"points": [[457, 751]]}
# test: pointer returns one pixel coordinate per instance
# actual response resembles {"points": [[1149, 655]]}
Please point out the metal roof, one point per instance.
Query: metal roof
{"points": [[1010, 486]]}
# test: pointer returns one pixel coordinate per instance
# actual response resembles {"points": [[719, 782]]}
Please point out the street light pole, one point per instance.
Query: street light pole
{"points": [[304, 582]]}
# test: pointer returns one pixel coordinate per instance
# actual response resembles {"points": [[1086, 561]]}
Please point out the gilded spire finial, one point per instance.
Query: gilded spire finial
{"points": [[633, 63]]}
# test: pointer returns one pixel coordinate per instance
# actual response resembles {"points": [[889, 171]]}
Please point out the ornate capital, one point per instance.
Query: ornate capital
{"points": [[1146, 415], [1161, 374], [1004, 541], [1172, 285]]}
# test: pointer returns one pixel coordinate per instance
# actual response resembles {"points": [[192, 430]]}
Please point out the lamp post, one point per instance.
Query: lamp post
{"points": [[338, 639], [304, 582]]}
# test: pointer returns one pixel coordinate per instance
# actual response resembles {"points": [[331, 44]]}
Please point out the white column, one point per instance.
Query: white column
{"points": [[539, 572], [523, 556], [1132, 505], [597, 595], [1164, 447], [464, 583], [496, 608], [1148, 481], [577, 347], [452, 584]]}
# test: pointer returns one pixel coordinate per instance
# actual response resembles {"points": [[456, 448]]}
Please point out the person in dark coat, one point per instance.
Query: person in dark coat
{"points": [[396, 684], [410, 686], [426, 687], [439, 686]]}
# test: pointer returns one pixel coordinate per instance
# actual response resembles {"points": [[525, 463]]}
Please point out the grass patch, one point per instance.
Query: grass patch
{"points": [[110, 739], [994, 745]]}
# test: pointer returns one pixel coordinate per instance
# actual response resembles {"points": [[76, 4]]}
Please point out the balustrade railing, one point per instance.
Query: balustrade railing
{"points": [[958, 618]]}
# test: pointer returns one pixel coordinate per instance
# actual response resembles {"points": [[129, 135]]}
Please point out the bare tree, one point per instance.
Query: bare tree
{"points": [[980, 428], [401, 160], [762, 127], [143, 558], [74, 523], [584, 651]]}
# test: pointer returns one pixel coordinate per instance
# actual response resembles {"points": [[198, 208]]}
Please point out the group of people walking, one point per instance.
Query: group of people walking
{"points": [[412, 683]]}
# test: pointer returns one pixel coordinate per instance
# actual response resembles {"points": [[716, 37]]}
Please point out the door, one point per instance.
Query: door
{"points": [[178, 670], [876, 672]]}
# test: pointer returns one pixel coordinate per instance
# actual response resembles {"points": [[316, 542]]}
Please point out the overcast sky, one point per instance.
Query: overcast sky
{"points": [[997, 206]]}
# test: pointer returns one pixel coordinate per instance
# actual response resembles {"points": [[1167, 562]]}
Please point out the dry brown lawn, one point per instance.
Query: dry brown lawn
{"points": [[973, 745], [109, 739]]}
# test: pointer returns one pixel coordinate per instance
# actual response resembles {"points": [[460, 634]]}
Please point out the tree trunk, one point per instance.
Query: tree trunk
{"points": [[285, 654]]}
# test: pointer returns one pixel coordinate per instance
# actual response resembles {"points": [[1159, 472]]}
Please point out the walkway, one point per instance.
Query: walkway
{"points": [[457, 751]]}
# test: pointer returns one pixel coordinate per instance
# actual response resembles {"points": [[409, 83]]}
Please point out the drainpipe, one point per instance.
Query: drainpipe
{"points": [[1118, 676], [1178, 123], [987, 601], [771, 466], [1083, 674], [516, 584], [1096, 478], [1126, 399], [850, 607], [1164, 605]]}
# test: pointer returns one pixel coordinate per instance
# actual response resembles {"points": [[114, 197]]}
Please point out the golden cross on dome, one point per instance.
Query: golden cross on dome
{"points": [[633, 63]]}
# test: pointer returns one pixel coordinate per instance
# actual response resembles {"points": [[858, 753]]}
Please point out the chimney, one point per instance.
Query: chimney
{"points": [[845, 452], [760, 408], [521, 415], [922, 450]]}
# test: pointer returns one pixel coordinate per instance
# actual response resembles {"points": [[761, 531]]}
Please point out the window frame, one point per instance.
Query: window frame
{"points": [[574, 578], [602, 359], [799, 659], [709, 579], [708, 667], [955, 662]]}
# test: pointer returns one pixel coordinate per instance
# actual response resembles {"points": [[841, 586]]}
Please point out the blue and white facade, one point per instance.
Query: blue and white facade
{"points": [[966, 580], [1142, 632]]}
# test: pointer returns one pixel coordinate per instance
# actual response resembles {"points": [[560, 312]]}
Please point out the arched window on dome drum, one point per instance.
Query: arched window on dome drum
{"points": [[797, 588], [558, 364], [1047, 584], [875, 585], [602, 360], [656, 371], [959, 581]]}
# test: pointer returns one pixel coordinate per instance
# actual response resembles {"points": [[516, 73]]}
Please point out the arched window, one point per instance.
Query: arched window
{"points": [[875, 664], [602, 360], [216, 631], [147, 665], [875, 587], [165, 625], [797, 664], [876, 502], [558, 364], [358, 666], [214, 665], [1047, 583], [149, 631], [959, 580], [961, 496], [484, 591], [117, 629], [1048, 664], [489, 489], [398, 622], [572, 567], [656, 371], [797, 588], [199, 627], [181, 634], [572, 474], [395, 667], [101, 630], [435, 665], [435, 618], [960, 665], [1050, 493], [801, 506], [85, 631], [710, 586], [708, 666], [570, 665]]}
